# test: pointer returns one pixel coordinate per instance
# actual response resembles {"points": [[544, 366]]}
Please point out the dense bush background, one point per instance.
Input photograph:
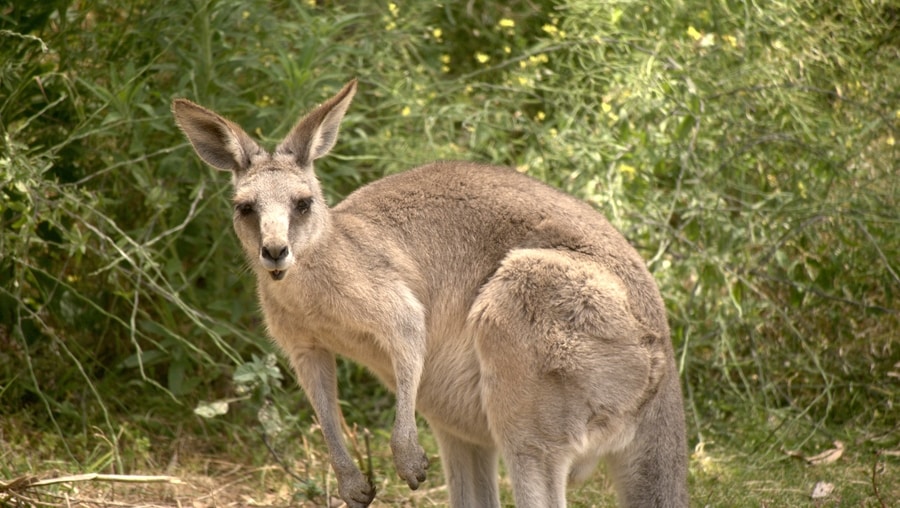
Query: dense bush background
{"points": [[747, 148]]}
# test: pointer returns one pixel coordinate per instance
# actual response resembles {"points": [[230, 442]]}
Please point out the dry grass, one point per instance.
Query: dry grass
{"points": [[717, 479], [223, 485]]}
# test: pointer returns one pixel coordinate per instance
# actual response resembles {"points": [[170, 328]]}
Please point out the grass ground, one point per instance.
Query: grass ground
{"points": [[738, 465]]}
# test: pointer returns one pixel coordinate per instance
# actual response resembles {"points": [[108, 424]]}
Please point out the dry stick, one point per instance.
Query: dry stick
{"points": [[875, 479], [124, 478], [16, 487], [27, 482], [19, 483], [25, 500]]}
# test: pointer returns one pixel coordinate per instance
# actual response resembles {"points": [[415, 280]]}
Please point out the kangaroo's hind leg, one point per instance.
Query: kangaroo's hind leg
{"points": [[651, 470], [536, 454], [565, 367], [470, 471]]}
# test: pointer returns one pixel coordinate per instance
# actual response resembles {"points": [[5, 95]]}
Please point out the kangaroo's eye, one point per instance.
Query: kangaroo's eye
{"points": [[244, 209], [302, 206]]}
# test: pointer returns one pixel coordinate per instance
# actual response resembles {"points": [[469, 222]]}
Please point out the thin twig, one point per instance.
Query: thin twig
{"points": [[369, 474], [280, 461], [129, 162], [190, 216], [875, 479], [884, 259]]}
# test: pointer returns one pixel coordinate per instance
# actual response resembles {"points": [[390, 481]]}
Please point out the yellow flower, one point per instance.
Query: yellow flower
{"points": [[731, 40], [536, 59], [406, 111], [437, 33], [694, 34], [393, 8], [507, 49], [616, 16], [445, 58], [550, 29], [627, 170], [890, 141], [506, 23], [482, 57], [540, 116]]}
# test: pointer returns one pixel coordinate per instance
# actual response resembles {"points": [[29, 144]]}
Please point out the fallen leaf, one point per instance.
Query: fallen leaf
{"points": [[821, 490], [828, 456]]}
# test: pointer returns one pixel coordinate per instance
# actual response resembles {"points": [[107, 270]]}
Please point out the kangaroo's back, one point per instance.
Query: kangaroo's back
{"points": [[460, 220]]}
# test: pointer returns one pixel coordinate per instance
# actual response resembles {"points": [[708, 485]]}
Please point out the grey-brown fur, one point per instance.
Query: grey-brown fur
{"points": [[514, 317]]}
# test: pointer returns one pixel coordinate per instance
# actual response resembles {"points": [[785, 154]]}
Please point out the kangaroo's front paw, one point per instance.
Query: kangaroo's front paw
{"points": [[409, 458], [355, 489]]}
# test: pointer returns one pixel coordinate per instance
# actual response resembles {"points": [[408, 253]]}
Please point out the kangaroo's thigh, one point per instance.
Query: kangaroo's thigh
{"points": [[565, 365]]}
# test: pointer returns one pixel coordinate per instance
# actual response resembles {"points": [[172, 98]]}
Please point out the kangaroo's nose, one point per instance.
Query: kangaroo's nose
{"points": [[274, 253]]}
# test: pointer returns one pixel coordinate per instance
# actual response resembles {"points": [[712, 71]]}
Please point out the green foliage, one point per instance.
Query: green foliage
{"points": [[747, 149]]}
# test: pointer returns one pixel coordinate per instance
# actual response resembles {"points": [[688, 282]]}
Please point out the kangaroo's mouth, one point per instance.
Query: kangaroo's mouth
{"points": [[277, 274]]}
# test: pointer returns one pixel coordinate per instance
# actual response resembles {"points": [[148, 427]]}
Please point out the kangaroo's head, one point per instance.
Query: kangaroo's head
{"points": [[279, 210]]}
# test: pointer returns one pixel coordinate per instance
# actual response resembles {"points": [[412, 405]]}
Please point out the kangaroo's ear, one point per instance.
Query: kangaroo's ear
{"points": [[315, 134], [219, 142]]}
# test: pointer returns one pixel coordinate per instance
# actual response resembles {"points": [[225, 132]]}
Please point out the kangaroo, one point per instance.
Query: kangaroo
{"points": [[512, 316]]}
